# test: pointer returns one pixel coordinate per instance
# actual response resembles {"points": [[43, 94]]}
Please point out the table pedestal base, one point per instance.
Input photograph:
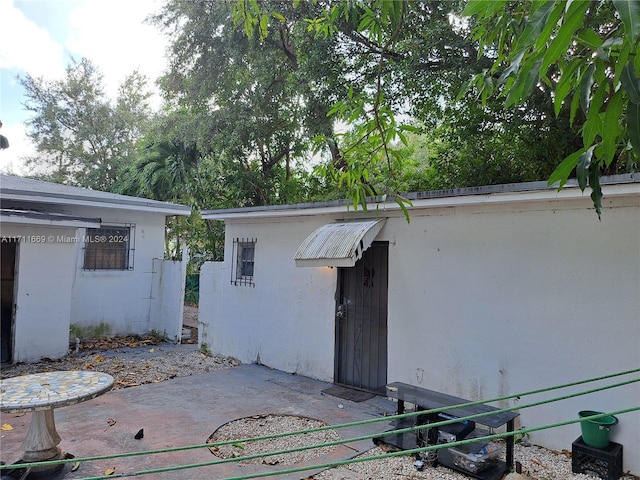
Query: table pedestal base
{"points": [[41, 442], [40, 393]]}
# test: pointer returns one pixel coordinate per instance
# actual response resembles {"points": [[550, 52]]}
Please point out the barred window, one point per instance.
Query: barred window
{"points": [[109, 248], [243, 257]]}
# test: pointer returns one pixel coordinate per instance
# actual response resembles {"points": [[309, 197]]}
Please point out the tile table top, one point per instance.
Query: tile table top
{"points": [[42, 391]]}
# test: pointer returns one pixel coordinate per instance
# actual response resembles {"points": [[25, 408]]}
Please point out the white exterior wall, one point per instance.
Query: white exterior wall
{"points": [[484, 301], [167, 294], [286, 321], [44, 275], [507, 302], [120, 299], [210, 308]]}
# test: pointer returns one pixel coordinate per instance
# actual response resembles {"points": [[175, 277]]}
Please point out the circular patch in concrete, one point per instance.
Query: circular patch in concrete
{"points": [[264, 425]]}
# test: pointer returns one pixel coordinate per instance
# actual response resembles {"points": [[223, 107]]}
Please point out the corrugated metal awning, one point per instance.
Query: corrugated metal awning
{"points": [[337, 244]]}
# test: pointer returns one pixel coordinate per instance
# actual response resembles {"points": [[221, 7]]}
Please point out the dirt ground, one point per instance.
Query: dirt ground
{"points": [[190, 317], [190, 322]]}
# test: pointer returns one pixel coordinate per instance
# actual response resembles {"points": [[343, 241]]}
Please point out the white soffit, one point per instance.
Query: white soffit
{"points": [[337, 244], [23, 217]]}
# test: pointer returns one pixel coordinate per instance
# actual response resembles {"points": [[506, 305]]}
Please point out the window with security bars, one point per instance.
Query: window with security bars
{"points": [[243, 258], [109, 248]]}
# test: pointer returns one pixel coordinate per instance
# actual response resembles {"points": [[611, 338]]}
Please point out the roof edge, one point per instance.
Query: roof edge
{"points": [[539, 186], [83, 196], [12, 216]]}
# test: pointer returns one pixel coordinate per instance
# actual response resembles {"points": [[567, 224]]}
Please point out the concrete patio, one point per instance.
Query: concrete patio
{"points": [[186, 411]]}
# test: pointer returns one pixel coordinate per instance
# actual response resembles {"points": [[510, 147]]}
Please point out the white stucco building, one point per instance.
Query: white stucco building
{"points": [[83, 261], [487, 292]]}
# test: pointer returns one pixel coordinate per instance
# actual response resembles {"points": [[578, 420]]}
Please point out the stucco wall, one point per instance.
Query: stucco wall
{"points": [[286, 321], [484, 301], [41, 288], [119, 299], [483, 305], [167, 296], [210, 309]]}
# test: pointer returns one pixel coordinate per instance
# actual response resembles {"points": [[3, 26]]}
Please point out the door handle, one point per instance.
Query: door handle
{"points": [[340, 312]]}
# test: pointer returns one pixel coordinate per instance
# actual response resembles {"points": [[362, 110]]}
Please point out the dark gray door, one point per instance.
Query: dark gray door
{"points": [[361, 321], [7, 281]]}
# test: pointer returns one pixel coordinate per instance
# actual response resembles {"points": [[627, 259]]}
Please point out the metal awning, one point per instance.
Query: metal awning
{"points": [[337, 244]]}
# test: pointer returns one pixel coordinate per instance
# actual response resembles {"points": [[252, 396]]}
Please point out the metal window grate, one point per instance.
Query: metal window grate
{"points": [[242, 269], [109, 248]]}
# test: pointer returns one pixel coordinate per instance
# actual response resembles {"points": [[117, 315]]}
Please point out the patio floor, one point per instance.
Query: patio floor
{"points": [[186, 411]]}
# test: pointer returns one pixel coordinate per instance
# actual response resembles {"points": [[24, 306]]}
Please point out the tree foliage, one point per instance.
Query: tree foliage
{"points": [[243, 101], [80, 136], [585, 55], [565, 71]]}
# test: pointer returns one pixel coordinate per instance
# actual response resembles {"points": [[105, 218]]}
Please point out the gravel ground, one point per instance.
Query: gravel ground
{"points": [[131, 361], [134, 361], [537, 464], [262, 425]]}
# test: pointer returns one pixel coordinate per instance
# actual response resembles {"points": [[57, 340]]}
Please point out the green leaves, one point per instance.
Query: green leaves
{"points": [[633, 125], [565, 83], [631, 83], [612, 127], [570, 58], [589, 38], [582, 168], [81, 135], [483, 8], [559, 45], [534, 25], [252, 17], [585, 87], [553, 45], [629, 11], [562, 171], [404, 203]]}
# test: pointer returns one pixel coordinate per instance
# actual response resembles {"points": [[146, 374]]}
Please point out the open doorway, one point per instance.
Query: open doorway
{"points": [[8, 249]]}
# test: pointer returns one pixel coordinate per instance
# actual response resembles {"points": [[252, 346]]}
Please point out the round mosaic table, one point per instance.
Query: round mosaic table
{"points": [[40, 393]]}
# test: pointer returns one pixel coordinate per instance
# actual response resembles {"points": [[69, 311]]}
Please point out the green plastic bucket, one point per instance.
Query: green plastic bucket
{"points": [[595, 432]]}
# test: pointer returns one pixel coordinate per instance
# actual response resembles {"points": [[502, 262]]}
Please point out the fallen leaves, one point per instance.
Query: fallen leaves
{"points": [[6, 427], [564, 452], [131, 368], [121, 384], [386, 448], [110, 471], [112, 343], [111, 422]]}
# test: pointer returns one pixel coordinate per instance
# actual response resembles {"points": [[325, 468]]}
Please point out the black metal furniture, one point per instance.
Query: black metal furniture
{"points": [[425, 399]]}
